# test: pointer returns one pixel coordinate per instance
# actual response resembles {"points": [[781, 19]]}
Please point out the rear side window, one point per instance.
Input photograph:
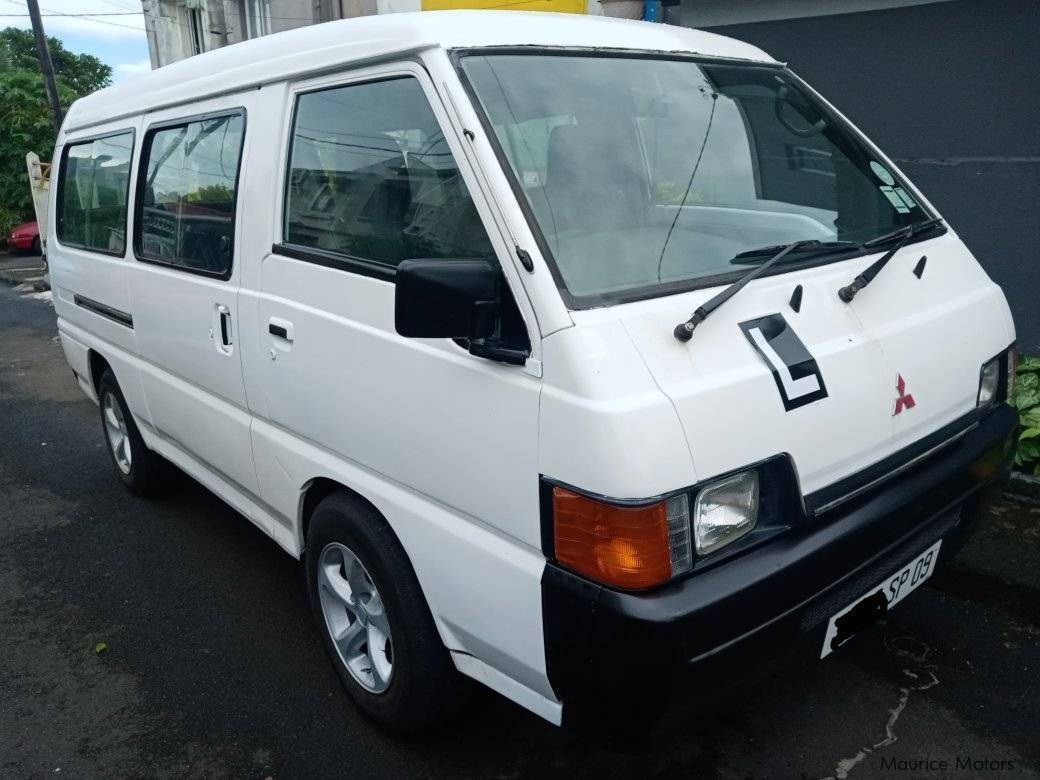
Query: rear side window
{"points": [[371, 177], [92, 193], [188, 188]]}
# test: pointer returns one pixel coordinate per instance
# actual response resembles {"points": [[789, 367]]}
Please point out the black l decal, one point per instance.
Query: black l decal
{"points": [[797, 376]]}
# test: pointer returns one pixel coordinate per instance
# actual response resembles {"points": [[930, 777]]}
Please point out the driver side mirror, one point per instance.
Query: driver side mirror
{"points": [[453, 299]]}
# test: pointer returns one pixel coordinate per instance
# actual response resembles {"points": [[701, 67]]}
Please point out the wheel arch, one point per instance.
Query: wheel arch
{"points": [[317, 489], [320, 487], [97, 364]]}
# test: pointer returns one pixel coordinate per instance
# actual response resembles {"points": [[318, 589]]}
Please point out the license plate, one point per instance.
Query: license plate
{"points": [[878, 600]]}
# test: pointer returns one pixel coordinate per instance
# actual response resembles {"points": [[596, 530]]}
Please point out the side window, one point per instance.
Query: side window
{"points": [[187, 193], [371, 177], [92, 193]]}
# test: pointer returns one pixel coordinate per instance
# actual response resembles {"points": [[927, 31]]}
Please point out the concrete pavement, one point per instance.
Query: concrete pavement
{"points": [[16, 269]]}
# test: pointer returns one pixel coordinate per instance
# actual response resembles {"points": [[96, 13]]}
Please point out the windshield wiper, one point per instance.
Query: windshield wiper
{"points": [[810, 246], [684, 330], [901, 236], [916, 227]]}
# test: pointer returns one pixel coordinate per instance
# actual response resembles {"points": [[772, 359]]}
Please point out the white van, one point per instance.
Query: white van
{"points": [[575, 355]]}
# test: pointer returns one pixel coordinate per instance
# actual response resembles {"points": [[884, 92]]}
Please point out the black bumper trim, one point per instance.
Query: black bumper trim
{"points": [[764, 601], [868, 482]]}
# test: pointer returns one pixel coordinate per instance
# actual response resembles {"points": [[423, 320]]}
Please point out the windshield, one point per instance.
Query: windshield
{"points": [[645, 175]]}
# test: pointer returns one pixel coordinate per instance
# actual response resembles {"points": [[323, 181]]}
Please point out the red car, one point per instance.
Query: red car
{"points": [[25, 237]]}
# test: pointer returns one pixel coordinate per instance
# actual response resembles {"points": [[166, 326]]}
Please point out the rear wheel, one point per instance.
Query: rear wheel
{"points": [[142, 471], [374, 620]]}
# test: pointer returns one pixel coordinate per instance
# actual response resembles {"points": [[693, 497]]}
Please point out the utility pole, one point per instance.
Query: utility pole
{"points": [[46, 66]]}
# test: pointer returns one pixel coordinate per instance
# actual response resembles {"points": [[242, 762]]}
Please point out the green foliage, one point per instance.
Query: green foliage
{"points": [[211, 193], [82, 73], [25, 120], [1027, 400]]}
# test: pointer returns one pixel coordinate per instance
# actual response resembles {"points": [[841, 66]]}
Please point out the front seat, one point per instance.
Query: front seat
{"points": [[611, 197]]}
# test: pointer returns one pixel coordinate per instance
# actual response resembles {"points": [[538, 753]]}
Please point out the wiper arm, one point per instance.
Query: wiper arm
{"points": [[903, 235], [916, 227], [812, 246], [684, 330]]}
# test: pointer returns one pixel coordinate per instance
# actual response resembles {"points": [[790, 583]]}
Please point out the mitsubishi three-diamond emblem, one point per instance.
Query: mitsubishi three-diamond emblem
{"points": [[904, 400]]}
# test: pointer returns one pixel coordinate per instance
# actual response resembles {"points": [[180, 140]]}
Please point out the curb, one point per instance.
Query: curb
{"points": [[15, 278], [1023, 487]]}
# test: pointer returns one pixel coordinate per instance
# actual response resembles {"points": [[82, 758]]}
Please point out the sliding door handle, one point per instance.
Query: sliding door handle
{"points": [[225, 325]]}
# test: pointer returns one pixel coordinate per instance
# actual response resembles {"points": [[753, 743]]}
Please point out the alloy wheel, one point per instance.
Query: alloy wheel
{"points": [[118, 435], [355, 618]]}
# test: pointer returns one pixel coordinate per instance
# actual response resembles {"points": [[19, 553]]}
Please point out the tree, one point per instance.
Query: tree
{"points": [[83, 73], [25, 123]]}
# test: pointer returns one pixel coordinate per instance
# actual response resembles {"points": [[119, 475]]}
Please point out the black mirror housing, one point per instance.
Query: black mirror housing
{"points": [[455, 299]]}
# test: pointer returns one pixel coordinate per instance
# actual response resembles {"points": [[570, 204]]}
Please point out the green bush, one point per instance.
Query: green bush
{"points": [[1027, 400]]}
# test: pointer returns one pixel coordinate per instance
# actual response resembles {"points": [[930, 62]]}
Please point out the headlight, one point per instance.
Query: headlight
{"points": [[989, 382], [724, 511]]}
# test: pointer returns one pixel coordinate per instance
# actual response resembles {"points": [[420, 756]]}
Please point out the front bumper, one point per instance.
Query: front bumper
{"points": [[623, 650]]}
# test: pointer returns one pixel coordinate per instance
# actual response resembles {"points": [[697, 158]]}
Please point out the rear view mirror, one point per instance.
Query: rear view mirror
{"points": [[455, 299]]}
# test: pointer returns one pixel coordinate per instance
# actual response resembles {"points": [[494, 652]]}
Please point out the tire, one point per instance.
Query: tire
{"points": [[412, 685], [141, 471], [35, 247]]}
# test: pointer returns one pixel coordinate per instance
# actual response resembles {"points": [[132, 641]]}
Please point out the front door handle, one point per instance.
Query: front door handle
{"points": [[279, 328]]}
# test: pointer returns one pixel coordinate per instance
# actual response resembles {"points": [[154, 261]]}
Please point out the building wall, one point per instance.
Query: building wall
{"points": [[949, 90], [169, 30], [290, 14]]}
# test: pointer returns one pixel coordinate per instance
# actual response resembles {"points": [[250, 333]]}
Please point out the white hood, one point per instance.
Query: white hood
{"points": [[934, 331]]}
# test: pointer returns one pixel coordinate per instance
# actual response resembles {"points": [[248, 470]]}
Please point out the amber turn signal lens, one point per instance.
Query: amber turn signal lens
{"points": [[626, 546]]}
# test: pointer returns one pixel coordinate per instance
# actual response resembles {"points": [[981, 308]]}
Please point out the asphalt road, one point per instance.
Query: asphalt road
{"points": [[213, 667]]}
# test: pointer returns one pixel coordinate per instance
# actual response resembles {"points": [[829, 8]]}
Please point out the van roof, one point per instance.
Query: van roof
{"points": [[325, 46]]}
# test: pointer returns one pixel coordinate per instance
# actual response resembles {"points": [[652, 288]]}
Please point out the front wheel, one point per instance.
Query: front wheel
{"points": [[374, 621]]}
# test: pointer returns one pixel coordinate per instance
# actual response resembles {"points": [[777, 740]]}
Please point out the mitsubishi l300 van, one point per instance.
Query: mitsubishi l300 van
{"points": [[572, 355]]}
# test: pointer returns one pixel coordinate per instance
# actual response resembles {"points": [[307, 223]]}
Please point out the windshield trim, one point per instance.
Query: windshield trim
{"points": [[599, 300]]}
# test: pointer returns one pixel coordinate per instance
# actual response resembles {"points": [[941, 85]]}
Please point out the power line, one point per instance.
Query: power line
{"points": [[114, 4], [51, 12], [77, 16], [104, 21]]}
